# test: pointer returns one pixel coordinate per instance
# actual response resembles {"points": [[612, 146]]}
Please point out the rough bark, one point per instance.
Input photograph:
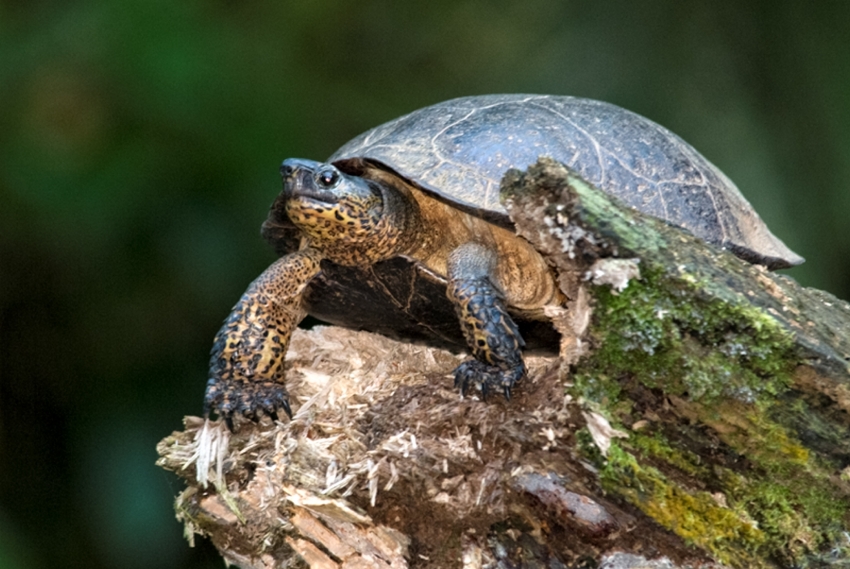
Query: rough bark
{"points": [[697, 415]]}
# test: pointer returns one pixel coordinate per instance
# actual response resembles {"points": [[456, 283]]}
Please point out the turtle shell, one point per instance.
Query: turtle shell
{"points": [[460, 149]]}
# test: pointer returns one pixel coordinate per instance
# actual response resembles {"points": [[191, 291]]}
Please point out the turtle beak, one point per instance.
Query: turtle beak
{"points": [[292, 166], [294, 171]]}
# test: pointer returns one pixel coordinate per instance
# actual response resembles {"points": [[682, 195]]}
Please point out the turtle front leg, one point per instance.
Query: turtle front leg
{"points": [[246, 362], [489, 330]]}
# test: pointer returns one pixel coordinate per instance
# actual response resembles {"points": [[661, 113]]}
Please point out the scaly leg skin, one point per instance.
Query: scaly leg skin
{"points": [[246, 363], [490, 332]]}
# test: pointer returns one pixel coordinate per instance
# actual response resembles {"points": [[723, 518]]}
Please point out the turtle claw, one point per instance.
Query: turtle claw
{"points": [[487, 378], [227, 397], [286, 408]]}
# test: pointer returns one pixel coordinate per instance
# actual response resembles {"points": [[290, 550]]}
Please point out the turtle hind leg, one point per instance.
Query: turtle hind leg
{"points": [[489, 330]]}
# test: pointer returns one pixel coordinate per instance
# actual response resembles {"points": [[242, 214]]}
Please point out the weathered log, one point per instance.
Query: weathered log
{"points": [[697, 415]]}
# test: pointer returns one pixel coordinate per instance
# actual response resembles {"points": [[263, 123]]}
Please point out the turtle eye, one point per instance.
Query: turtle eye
{"points": [[328, 178]]}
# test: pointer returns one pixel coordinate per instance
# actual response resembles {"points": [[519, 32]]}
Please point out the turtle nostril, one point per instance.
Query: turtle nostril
{"points": [[286, 170]]}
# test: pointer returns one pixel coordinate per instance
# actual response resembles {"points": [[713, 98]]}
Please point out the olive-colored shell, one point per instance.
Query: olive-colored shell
{"points": [[460, 149]]}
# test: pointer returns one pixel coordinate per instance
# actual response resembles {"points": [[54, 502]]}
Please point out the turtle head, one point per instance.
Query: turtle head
{"points": [[353, 220]]}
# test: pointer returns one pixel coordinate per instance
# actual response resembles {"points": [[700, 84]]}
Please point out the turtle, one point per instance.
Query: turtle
{"points": [[401, 232]]}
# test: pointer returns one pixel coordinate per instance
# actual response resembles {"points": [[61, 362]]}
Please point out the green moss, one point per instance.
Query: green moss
{"points": [[752, 520], [658, 447], [753, 434], [587, 448], [706, 350], [798, 510], [726, 362], [695, 516]]}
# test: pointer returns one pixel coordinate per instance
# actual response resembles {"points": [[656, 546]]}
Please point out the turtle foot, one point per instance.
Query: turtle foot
{"points": [[488, 378], [227, 397]]}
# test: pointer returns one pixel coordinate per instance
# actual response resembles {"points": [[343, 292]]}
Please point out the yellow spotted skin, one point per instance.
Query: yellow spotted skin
{"points": [[246, 364], [339, 236], [489, 330], [348, 224], [359, 219], [357, 229]]}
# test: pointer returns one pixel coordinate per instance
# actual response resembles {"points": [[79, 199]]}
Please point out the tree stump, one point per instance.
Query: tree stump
{"points": [[696, 416]]}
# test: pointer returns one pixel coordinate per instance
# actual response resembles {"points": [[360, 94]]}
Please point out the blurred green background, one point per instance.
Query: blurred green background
{"points": [[139, 151]]}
